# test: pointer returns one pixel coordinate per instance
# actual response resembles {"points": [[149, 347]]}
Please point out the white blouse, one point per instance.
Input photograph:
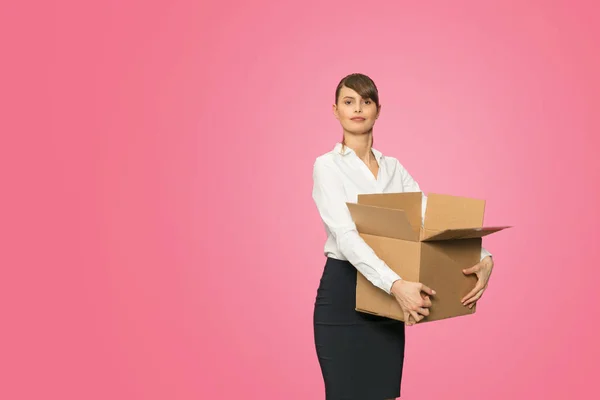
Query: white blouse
{"points": [[339, 178]]}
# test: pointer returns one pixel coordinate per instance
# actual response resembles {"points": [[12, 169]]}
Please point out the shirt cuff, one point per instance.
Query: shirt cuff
{"points": [[484, 254], [388, 277]]}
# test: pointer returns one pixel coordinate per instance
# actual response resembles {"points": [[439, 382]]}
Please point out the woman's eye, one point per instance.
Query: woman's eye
{"points": [[368, 102], [347, 102]]}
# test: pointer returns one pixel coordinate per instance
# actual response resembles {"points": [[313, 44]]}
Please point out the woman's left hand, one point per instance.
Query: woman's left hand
{"points": [[483, 270]]}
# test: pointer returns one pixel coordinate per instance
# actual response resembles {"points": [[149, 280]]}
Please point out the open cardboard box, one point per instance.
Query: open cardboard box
{"points": [[433, 253]]}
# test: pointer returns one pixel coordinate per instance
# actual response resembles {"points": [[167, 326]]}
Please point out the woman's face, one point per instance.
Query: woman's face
{"points": [[357, 115]]}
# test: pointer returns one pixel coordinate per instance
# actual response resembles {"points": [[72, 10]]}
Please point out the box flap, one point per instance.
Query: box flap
{"points": [[453, 212], [409, 202], [468, 233], [381, 221]]}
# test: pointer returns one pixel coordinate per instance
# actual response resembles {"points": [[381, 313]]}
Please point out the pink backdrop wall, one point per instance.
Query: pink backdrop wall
{"points": [[159, 239]]}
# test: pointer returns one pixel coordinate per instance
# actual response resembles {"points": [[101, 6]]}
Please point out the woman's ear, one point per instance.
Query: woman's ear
{"points": [[335, 112]]}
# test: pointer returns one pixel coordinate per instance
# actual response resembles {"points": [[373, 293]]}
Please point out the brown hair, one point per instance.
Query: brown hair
{"points": [[361, 84]]}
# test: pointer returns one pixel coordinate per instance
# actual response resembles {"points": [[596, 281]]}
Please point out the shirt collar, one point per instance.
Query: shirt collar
{"points": [[348, 150]]}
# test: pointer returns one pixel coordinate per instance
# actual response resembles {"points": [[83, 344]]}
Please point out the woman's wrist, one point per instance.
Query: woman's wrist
{"points": [[395, 285]]}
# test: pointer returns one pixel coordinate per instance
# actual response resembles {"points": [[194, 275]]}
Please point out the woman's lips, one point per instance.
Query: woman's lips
{"points": [[357, 119]]}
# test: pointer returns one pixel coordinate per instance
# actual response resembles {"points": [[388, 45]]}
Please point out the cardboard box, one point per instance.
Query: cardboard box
{"points": [[434, 254]]}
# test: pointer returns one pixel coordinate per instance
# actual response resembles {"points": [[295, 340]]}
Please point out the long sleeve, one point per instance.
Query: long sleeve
{"points": [[410, 185], [329, 196]]}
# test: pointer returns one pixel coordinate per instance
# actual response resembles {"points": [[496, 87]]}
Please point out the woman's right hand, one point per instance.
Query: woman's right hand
{"points": [[413, 304]]}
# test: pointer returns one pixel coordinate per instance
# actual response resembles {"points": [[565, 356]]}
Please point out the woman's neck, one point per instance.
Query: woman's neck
{"points": [[360, 144]]}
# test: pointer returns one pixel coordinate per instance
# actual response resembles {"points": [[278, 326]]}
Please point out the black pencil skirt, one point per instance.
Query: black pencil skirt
{"points": [[361, 355]]}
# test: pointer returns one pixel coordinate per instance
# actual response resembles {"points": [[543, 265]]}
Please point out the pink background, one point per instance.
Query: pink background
{"points": [[159, 240]]}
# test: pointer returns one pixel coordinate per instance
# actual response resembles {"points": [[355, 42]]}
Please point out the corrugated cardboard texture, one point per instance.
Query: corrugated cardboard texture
{"points": [[382, 222], [438, 265], [453, 212], [410, 202], [469, 233], [454, 228]]}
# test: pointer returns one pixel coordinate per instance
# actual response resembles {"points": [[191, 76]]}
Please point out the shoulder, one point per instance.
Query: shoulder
{"points": [[325, 161], [326, 168], [396, 168], [393, 163]]}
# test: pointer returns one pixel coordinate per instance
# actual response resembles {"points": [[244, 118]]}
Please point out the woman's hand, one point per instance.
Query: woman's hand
{"points": [[413, 304], [483, 270]]}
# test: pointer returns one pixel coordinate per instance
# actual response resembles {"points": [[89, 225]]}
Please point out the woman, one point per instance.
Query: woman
{"points": [[361, 355]]}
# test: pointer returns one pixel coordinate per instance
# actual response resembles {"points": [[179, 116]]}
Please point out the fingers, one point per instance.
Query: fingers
{"points": [[415, 310], [411, 321], [427, 289], [476, 289], [416, 316], [473, 269], [474, 298], [423, 311], [423, 306], [426, 302], [417, 313], [408, 320]]}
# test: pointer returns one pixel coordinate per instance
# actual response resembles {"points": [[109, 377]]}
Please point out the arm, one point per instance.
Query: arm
{"points": [[410, 185], [328, 194]]}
